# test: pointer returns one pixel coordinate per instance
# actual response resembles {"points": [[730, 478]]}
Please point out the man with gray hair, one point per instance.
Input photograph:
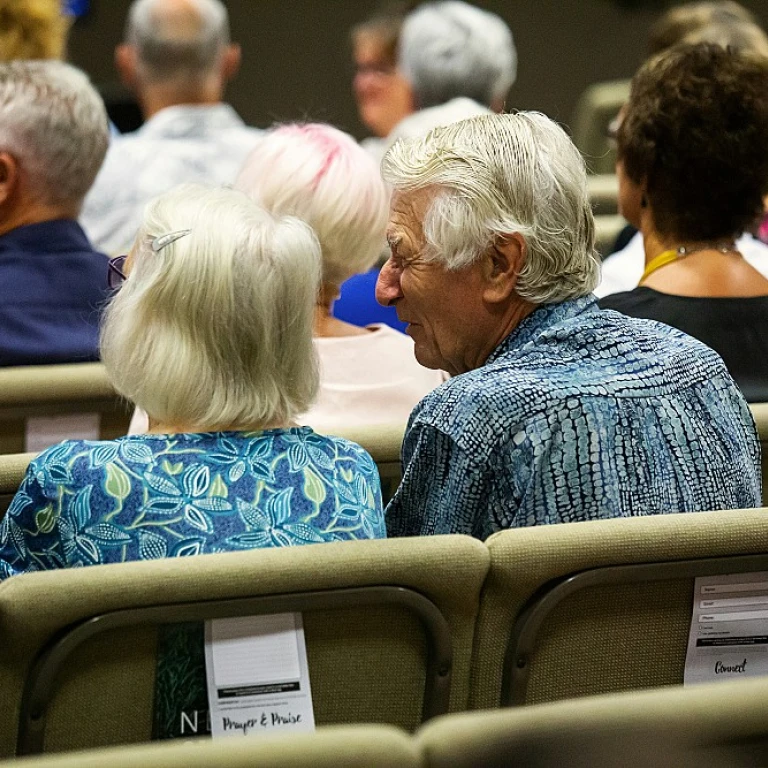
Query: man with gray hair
{"points": [[177, 57], [557, 411], [53, 137], [460, 61]]}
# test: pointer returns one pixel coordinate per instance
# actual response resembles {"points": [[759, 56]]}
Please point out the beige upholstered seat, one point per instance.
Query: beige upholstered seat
{"points": [[760, 412], [596, 108], [607, 229], [719, 725], [363, 746], [36, 391], [603, 191], [572, 619], [383, 442], [381, 655], [12, 469]]}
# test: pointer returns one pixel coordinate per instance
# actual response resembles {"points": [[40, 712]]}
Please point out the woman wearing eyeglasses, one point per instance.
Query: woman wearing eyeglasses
{"points": [[211, 334], [693, 170]]}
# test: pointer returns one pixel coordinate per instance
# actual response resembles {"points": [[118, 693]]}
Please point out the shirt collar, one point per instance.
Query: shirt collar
{"points": [[190, 120], [57, 236], [541, 319]]}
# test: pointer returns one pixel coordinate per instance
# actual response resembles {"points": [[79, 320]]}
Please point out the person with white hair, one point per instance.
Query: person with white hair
{"points": [[557, 411], [177, 58], [460, 60], [321, 175], [53, 137], [211, 334]]}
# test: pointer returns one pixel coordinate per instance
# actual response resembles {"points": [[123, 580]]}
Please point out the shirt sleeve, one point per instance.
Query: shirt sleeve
{"points": [[444, 489], [29, 534]]}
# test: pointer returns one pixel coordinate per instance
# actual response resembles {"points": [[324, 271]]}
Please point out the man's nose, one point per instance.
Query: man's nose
{"points": [[388, 284]]}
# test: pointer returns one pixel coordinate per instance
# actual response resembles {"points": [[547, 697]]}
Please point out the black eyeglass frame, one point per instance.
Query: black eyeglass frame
{"points": [[115, 275]]}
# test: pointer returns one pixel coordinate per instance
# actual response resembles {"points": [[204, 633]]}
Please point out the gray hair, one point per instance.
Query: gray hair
{"points": [[451, 49], [213, 327], [496, 175], [54, 123], [174, 42]]}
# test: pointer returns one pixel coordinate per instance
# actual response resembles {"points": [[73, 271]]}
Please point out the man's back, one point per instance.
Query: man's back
{"points": [[579, 414], [52, 287], [205, 144]]}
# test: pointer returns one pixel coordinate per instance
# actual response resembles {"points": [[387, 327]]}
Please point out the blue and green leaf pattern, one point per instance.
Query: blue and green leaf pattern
{"points": [[152, 496]]}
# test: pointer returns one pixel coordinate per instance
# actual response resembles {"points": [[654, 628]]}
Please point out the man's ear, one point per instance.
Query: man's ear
{"points": [[230, 61], [125, 63], [504, 261], [9, 176]]}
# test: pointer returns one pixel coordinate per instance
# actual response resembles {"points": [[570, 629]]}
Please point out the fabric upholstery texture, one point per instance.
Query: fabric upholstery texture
{"points": [[603, 638], [368, 746], [760, 412], [57, 390], [366, 665], [666, 726]]}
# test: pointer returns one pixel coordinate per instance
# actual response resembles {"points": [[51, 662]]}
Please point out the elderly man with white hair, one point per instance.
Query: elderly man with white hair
{"points": [[460, 61], [53, 137], [557, 411], [177, 58]]}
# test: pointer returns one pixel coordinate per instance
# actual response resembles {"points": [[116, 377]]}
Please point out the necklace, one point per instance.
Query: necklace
{"points": [[673, 254]]}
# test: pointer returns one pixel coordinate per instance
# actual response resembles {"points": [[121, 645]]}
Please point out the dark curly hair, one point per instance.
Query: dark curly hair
{"points": [[695, 130]]}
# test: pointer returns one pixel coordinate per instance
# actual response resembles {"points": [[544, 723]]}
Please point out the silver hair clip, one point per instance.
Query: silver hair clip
{"points": [[162, 240]]}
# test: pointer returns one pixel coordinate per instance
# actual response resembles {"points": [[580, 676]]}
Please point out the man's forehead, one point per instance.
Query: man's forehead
{"points": [[407, 210]]}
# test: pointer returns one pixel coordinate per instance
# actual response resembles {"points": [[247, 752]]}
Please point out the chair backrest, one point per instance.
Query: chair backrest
{"points": [[384, 442], [760, 412], [603, 191], [597, 106], [607, 229], [13, 466], [42, 404], [587, 608], [361, 746], [718, 725], [389, 627]]}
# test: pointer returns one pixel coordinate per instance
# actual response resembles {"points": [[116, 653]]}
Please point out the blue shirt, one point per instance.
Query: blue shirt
{"points": [[357, 304], [580, 413], [152, 496], [53, 285]]}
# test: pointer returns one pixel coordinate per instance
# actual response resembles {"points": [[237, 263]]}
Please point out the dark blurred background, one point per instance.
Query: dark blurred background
{"points": [[297, 54]]}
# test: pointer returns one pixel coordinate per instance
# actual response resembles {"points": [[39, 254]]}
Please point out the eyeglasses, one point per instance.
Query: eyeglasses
{"points": [[115, 274]]}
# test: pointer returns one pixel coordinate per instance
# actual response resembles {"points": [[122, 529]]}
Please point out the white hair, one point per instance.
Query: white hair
{"points": [[324, 177], [496, 175], [176, 41], [54, 123], [214, 329], [451, 49]]}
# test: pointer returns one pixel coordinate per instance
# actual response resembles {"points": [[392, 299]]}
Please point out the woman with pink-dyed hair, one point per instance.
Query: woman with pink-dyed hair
{"points": [[321, 175]]}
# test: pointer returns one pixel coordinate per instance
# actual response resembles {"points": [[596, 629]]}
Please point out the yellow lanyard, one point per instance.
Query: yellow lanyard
{"points": [[667, 257]]}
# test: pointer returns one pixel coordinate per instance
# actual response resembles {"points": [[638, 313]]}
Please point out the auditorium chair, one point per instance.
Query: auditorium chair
{"points": [[595, 607], [58, 402], [389, 627], [13, 466], [362, 746], [760, 412], [597, 106], [717, 725]]}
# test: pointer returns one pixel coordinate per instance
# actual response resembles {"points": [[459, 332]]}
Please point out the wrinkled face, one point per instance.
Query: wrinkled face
{"points": [[447, 318], [383, 95]]}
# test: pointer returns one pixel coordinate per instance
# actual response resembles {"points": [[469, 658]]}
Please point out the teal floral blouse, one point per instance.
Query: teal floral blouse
{"points": [[151, 496]]}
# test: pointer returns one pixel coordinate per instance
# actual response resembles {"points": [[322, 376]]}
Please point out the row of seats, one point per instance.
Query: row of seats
{"points": [[397, 631], [712, 725]]}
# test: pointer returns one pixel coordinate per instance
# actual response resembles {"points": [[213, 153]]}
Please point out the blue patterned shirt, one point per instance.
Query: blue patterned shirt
{"points": [[580, 413], [152, 496]]}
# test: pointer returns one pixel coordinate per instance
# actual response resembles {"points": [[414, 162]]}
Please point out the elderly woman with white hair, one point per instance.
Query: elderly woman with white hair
{"points": [[557, 411], [321, 175], [211, 334]]}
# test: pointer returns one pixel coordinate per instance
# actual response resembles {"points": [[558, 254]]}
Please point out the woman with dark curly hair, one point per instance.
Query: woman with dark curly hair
{"points": [[693, 171]]}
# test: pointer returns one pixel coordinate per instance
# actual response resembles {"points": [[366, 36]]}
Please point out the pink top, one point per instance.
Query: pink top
{"points": [[368, 379]]}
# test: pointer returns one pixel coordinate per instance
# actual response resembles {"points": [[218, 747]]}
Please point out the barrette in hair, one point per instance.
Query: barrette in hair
{"points": [[171, 237]]}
